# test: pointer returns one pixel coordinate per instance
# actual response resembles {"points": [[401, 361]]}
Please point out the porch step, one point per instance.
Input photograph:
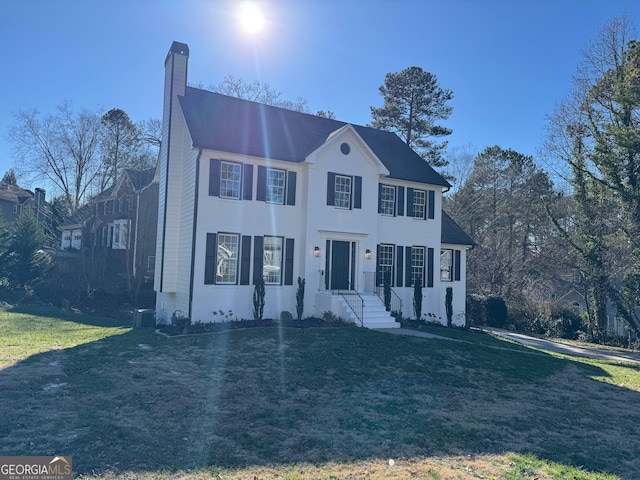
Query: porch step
{"points": [[375, 314]]}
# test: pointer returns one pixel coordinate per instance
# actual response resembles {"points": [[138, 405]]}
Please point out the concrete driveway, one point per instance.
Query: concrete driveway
{"points": [[565, 348]]}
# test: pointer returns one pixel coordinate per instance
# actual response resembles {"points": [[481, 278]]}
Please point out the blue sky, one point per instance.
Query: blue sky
{"points": [[507, 62]]}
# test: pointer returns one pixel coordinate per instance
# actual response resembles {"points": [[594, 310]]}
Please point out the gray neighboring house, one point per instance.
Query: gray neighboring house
{"points": [[14, 201]]}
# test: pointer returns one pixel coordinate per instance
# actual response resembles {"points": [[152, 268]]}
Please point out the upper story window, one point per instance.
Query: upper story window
{"points": [[108, 207], [230, 178], [387, 200], [419, 203], [275, 186], [344, 191]]}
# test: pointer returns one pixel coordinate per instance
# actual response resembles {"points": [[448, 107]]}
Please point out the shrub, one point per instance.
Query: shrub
{"points": [[497, 314], [286, 317], [417, 298], [476, 310], [387, 290], [563, 323], [448, 305], [180, 321], [300, 298], [258, 299]]}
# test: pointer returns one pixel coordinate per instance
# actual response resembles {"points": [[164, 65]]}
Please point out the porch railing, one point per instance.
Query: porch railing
{"points": [[354, 301], [375, 285]]}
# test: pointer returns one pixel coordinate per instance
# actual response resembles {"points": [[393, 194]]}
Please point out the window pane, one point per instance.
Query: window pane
{"points": [[446, 265], [417, 264], [388, 200], [275, 186], [227, 267], [230, 175], [419, 202], [343, 192], [272, 262]]}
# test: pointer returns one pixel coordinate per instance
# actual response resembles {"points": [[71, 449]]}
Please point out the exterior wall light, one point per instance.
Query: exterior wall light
{"points": [[316, 251], [367, 254]]}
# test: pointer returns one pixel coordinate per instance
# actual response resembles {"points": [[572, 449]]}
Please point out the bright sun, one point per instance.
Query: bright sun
{"points": [[251, 18]]}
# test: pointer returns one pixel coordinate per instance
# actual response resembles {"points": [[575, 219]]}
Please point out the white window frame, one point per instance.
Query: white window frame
{"points": [[342, 191], [228, 249], [388, 200], [419, 204], [417, 264], [276, 180], [272, 257], [230, 180], [120, 234], [446, 265]]}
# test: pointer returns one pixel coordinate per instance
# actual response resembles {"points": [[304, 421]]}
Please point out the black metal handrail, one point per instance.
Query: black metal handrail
{"points": [[354, 301], [395, 303]]}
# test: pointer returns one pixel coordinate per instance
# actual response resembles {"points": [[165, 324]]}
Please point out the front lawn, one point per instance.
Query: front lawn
{"points": [[308, 403]]}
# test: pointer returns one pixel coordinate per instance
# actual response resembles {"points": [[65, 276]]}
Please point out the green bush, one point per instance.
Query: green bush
{"points": [[497, 314], [417, 298], [258, 299], [563, 323], [300, 298]]}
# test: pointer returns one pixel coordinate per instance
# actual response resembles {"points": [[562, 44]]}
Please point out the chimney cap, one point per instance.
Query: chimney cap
{"points": [[180, 48]]}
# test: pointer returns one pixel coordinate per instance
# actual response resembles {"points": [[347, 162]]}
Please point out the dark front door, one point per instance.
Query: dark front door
{"points": [[340, 265]]}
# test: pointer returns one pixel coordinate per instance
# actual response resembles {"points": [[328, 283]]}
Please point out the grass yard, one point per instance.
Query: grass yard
{"points": [[314, 403]]}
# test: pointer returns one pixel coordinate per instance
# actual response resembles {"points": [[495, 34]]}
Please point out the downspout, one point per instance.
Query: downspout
{"points": [[195, 230], [135, 233]]}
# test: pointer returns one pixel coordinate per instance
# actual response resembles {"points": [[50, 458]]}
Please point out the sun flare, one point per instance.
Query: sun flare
{"points": [[251, 18]]}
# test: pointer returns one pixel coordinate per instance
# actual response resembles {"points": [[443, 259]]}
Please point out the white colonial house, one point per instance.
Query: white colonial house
{"points": [[248, 191]]}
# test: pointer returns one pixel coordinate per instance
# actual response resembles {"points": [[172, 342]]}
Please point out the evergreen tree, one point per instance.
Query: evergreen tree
{"points": [[413, 103]]}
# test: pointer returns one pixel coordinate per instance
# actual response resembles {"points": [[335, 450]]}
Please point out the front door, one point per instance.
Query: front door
{"points": [[340, 265]]}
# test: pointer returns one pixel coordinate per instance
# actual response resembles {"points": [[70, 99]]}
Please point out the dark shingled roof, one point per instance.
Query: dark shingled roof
{"points": [[452, 233], [229, 124], [141, 178], [14, 193]]}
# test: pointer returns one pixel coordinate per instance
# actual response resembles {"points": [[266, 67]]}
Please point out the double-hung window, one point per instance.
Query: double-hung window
{"points": [[417, 265], [387, 200], [230, 180], [272, 260], [227, 258], [343, 191], [419, 203], [275, 186], [385, 263]]}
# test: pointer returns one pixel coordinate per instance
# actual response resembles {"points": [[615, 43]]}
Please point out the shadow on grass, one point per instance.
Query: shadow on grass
{"points": [[141, 402]]}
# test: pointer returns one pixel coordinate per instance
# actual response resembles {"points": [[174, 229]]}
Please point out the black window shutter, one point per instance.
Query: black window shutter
{"points": [[331, 188], [288, 261], [430, 267], [456, 265], [408, 281], [379, 198], [291, 188], [210, 260], [261, 190], [245, 260], [247, 181], [357, 192], [258, 255], [327, 265], [409, 202], [400, 264], [400, 200], [214, 177], [432, 204], [378, 271]]}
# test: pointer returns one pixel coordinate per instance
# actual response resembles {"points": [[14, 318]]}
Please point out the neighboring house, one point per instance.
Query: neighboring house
{"points": [[15, 200], [122, 219], [248, 190]]}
